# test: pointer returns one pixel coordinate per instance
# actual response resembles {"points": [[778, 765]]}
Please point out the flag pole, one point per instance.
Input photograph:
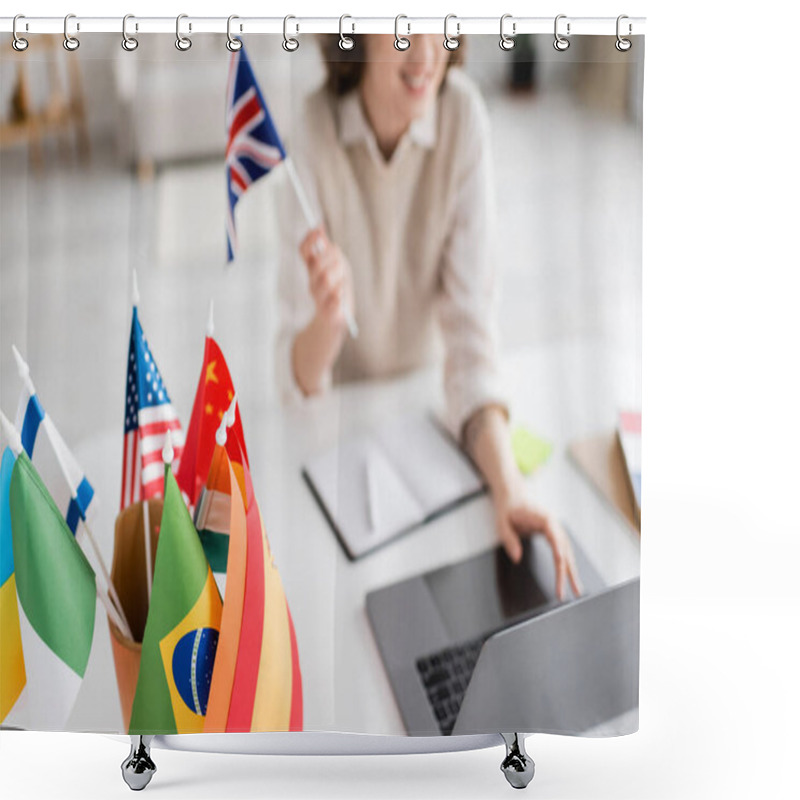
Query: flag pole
{"points": [[15, 443], [148, 550], [25, 374], [311, 221]]}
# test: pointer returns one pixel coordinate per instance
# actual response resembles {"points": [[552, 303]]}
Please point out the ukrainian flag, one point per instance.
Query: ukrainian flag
{"points": [[12, 665], [182, 631]]}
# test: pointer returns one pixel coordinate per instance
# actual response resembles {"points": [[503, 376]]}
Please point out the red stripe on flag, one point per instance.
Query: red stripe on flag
{"points": [[243, 116], [237, 178], [151, 458], [246, 148], [245, 679], [155, 428], [296, 713]]}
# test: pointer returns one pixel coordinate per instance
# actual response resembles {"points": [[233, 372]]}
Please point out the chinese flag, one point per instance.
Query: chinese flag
{"points": [[214, 395]]}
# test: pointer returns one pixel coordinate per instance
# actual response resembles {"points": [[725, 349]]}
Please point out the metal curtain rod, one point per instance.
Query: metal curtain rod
{"points": [[578, 26]]}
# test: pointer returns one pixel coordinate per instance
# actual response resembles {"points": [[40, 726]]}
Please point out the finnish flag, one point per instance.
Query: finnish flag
{"points": [[54, 461]]}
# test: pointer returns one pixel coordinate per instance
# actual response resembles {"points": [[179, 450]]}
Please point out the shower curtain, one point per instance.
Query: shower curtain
{"points": [[353, 331]]}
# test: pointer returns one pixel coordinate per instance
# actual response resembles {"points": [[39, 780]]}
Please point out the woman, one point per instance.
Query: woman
{"points": [[396, 149]]}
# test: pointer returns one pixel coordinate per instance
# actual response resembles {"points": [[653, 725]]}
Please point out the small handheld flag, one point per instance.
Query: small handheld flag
{"points": [[182, 630], [149, 414], [254, 146], [53, 459], [257, 683], [214, 394], [56, 589], [64, 479]]}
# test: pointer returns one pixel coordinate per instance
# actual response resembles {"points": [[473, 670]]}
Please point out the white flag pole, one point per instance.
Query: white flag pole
{"points": [[15, 443], [134, 288], [148, 548], [311, 221], [11, 434], [25, 374], [210, 323]]}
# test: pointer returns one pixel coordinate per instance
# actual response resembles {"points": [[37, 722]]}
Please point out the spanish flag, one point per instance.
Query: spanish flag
{"points": [[182, 630], [257, 685]]}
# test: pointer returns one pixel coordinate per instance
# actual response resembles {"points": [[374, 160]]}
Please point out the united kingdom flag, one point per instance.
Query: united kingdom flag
{"points": [[254, 146]]}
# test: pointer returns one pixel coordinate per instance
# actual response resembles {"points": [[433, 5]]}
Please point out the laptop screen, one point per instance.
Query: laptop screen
{"points": [[488, 592]]}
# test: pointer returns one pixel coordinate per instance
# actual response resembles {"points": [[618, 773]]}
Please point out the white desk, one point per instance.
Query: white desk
{"points": [[561, 392]]}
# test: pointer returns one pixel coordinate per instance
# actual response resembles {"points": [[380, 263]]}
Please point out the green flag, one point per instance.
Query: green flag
{"points": [[57, 595], [180, 638]]}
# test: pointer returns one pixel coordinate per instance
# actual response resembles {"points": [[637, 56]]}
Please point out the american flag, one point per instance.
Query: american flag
{"points": [[148, 416], [254, 146]]}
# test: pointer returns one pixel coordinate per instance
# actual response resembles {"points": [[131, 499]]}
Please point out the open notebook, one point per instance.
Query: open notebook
{"points": [[378, 485]]}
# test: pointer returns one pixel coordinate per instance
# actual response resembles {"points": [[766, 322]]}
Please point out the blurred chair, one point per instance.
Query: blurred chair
{"points": [[63, 109]]}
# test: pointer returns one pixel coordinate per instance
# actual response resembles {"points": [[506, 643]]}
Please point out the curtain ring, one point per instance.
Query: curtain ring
{"points": [[507, 42], [290, 44], [623, 45], [346, 43], [18, 43], [560, 43], [129, 43], [183, 43], [233, 44], [400, 42], [70, 42], [451, 42]]}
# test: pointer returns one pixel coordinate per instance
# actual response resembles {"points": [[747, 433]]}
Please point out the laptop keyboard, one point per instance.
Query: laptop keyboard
{"points": [[445, 676]]}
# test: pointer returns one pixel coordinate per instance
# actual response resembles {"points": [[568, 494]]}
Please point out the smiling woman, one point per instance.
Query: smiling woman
{"points": [[419, 73]]}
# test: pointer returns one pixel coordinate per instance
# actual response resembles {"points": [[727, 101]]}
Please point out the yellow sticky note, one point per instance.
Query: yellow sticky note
{"points": [[529, 450]]}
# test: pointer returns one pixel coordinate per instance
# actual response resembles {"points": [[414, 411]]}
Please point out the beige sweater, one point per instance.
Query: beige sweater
{"points": [[417, 232]]}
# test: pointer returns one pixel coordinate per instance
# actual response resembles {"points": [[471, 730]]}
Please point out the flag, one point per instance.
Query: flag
{"points": [[221, 510], [213, 398], [254, 146], [12, 664], [57, 597], [54, 461], [213, 518], [148, 416], [257, 684], [182, 630]]}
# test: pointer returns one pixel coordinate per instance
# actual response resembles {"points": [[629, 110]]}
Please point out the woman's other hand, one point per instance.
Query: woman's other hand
{"points": [[329, 277], [516, 518], [488, 441]]}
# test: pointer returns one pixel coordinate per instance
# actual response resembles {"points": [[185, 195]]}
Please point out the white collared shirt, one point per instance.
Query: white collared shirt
{"points": [[417, 232]]}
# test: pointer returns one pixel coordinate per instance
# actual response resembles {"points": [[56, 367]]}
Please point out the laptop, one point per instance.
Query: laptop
{"points": [[484, 645]]}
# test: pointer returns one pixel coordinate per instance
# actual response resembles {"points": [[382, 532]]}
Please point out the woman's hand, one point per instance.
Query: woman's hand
{"points": [[517, 517], [317, 346], [329, 277], [487, 439]]}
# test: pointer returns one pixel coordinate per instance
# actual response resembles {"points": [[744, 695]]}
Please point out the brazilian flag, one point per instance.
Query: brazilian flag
{"points": [[182, 631]]}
